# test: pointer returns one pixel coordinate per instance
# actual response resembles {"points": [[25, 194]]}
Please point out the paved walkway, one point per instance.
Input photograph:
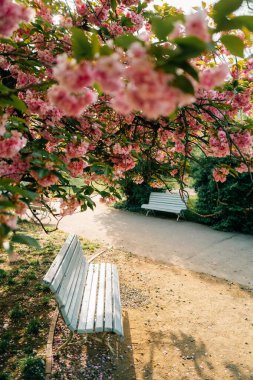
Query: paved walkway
{"points": [[186, 244]]}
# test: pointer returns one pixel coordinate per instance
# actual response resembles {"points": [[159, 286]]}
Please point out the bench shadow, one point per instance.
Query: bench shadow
{"points": [[194, 351], [89, 358], [197, 353], [157, 342], [237, 374]]}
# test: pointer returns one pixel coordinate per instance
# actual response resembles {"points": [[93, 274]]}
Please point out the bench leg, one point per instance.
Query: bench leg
{"points": [[104, 340], [178, 217], [147, 212], [69, 339], [108, 345]]}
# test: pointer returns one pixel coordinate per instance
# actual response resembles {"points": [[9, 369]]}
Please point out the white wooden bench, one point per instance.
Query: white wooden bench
{"points": [[168, 202], [88, 295]]}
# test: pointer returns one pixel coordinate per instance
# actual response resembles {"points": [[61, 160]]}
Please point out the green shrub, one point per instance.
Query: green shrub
{"points": [[4, 346], [34, 326], [45, 300], [3, 275], [17, 312], [5, 342], [32, 368], [11, 281], [5, 376], [229, 204]]}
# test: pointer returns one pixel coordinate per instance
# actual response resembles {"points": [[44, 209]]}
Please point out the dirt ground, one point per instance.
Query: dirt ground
{"points": [[179, 325]]}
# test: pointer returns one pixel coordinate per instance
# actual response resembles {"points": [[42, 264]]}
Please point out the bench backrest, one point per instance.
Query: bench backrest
{"points": [[63, 276], [167, 200]]}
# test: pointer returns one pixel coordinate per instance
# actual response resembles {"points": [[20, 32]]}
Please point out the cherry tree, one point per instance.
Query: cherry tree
{"points": [[91, 89]]}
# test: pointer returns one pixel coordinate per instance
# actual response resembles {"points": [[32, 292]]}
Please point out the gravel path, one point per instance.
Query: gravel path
{"points": [[185, 244]]}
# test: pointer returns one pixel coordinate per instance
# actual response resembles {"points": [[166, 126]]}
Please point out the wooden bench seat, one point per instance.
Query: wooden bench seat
{"points": [[168, 202], [88, 295]]}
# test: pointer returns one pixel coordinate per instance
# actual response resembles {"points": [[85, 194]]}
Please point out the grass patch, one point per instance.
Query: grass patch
{"points": [[26, 304]]}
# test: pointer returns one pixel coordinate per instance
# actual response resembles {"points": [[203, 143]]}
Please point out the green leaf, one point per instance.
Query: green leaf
{"points": [[162, 27], [43, 86], [191, 42], [183, 84], [113, 4], [126, 21], [141, 6], [224, 8], [24, 239], [8, 41], [6, 204], [188, 47], [18, 103], [95, 44], [42, 172], [5, 185], [234, 44], [4, 90], [126, 40], [243, 21], [82, 48], [98, 88], [105, 50], [189, 69]]}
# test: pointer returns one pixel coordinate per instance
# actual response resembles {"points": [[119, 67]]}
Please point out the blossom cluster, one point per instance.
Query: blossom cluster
{"points": [[11, 14]]}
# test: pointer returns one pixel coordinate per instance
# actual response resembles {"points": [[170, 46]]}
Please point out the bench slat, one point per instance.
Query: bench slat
{"points": [[74, 309], [117, 320], [161, 208], [164, 205], [72, 289], [48, 278], [85, 302], [170, 201], [92, 303], [68, 301], [108, 298], [63, 267], [99, 326], [62, 294]]}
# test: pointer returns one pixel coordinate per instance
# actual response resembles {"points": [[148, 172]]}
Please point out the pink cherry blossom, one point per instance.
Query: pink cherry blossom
{"points": [[3, 120], [177, 31], [81, 7], [108, 72], [98, 15], [11, 14], [129, 3], [46, 181], [9, 220], [72, 76], [14, 169], [76, 167], [115, 29], [243, 141], [242, 168], [9, 147], [220, 174], [69, 205], [75, 150], [196, 25], [219, 146], [213, 77], [71, 104]]}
